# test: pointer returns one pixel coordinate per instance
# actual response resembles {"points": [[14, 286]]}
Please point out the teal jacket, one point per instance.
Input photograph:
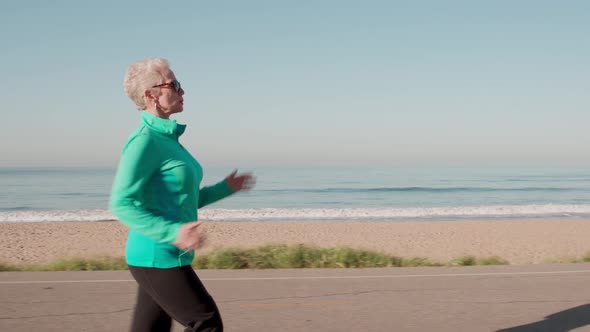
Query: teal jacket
{"points": [[156, 190]]}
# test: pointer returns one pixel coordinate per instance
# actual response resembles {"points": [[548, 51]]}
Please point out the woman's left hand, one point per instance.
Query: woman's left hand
{"points": [[241, 182]]}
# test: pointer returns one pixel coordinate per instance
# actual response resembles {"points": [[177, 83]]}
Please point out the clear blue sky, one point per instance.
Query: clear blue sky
{"points": [[304, 82]]}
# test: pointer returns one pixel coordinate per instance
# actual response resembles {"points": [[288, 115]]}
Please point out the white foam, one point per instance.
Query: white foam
{"points": [[56, 216], [278, 214], [393, 213]]}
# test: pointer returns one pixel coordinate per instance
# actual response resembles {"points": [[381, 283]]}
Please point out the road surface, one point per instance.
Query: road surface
{"points": [[443, 299]]}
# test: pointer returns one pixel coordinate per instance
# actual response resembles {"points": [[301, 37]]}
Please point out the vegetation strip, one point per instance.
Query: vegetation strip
{"points": [[276, 257]]}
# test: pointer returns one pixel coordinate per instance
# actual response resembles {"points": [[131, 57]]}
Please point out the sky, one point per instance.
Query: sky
{"points": [[303, 82]]}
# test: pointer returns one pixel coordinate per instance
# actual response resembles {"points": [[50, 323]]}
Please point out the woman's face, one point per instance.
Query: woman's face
{"points": [[170, 101]]}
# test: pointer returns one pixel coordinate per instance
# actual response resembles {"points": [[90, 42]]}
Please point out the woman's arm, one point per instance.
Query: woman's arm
{"points": [[212, 194], [139, 161], [231, 184]]}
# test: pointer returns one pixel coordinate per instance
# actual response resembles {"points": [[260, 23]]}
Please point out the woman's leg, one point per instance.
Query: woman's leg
{"points": [[149, 316], [181, 294]]}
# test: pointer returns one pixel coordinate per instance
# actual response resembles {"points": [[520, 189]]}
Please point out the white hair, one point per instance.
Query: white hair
{"points": [[141, 76]]}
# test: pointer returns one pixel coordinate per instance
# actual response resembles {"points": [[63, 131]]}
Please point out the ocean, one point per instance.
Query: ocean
{"points": [[321, 193]]}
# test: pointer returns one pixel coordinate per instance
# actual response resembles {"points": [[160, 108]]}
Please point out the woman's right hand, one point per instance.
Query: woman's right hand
{"points": [[190, 237]]}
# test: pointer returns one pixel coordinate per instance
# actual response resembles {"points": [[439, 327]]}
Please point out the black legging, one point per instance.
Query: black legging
{"points": [[177, 293]]}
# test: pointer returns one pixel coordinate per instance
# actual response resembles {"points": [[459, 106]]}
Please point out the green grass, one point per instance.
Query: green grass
{"points": [[283, 256], [583, 259], [84, 264], [102, 263], [472, 260], [419, 261], [270, 257], [8, 267], [494, 260]]}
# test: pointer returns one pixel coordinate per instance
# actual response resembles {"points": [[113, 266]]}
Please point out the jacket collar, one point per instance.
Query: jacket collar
{"points": [[163, 126]]}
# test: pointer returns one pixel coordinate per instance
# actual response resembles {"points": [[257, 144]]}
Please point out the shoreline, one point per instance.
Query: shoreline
{"points": [[530, 241]]}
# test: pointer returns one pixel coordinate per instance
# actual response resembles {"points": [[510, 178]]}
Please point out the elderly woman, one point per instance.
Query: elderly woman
{"points": [[156, 195]]}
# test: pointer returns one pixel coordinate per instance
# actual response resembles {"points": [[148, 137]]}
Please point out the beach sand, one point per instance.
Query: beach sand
{"points": [[518, 241]]}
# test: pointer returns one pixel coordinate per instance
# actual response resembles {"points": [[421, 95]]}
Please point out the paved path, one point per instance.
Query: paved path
{"points": [[507, 298]]}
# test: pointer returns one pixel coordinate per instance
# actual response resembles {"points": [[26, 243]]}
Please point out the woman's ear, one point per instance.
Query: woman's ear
{"points": [[148, 95]]}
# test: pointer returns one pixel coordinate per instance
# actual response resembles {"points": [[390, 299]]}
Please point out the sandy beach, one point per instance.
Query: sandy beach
{"points": [[518, 241]]}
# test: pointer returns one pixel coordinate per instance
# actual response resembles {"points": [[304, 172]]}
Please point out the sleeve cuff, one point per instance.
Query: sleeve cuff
{"points": [[173, 233], [226, 190]]}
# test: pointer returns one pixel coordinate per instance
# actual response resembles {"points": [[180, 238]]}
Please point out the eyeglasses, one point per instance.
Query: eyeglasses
{"points": [[174, 85]]}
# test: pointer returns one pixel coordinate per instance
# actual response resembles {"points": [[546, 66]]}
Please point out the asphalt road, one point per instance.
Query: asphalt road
{"points": [[500, 298]]}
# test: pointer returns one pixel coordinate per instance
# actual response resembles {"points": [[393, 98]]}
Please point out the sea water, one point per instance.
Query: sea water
{"points": [[321, 193]]}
